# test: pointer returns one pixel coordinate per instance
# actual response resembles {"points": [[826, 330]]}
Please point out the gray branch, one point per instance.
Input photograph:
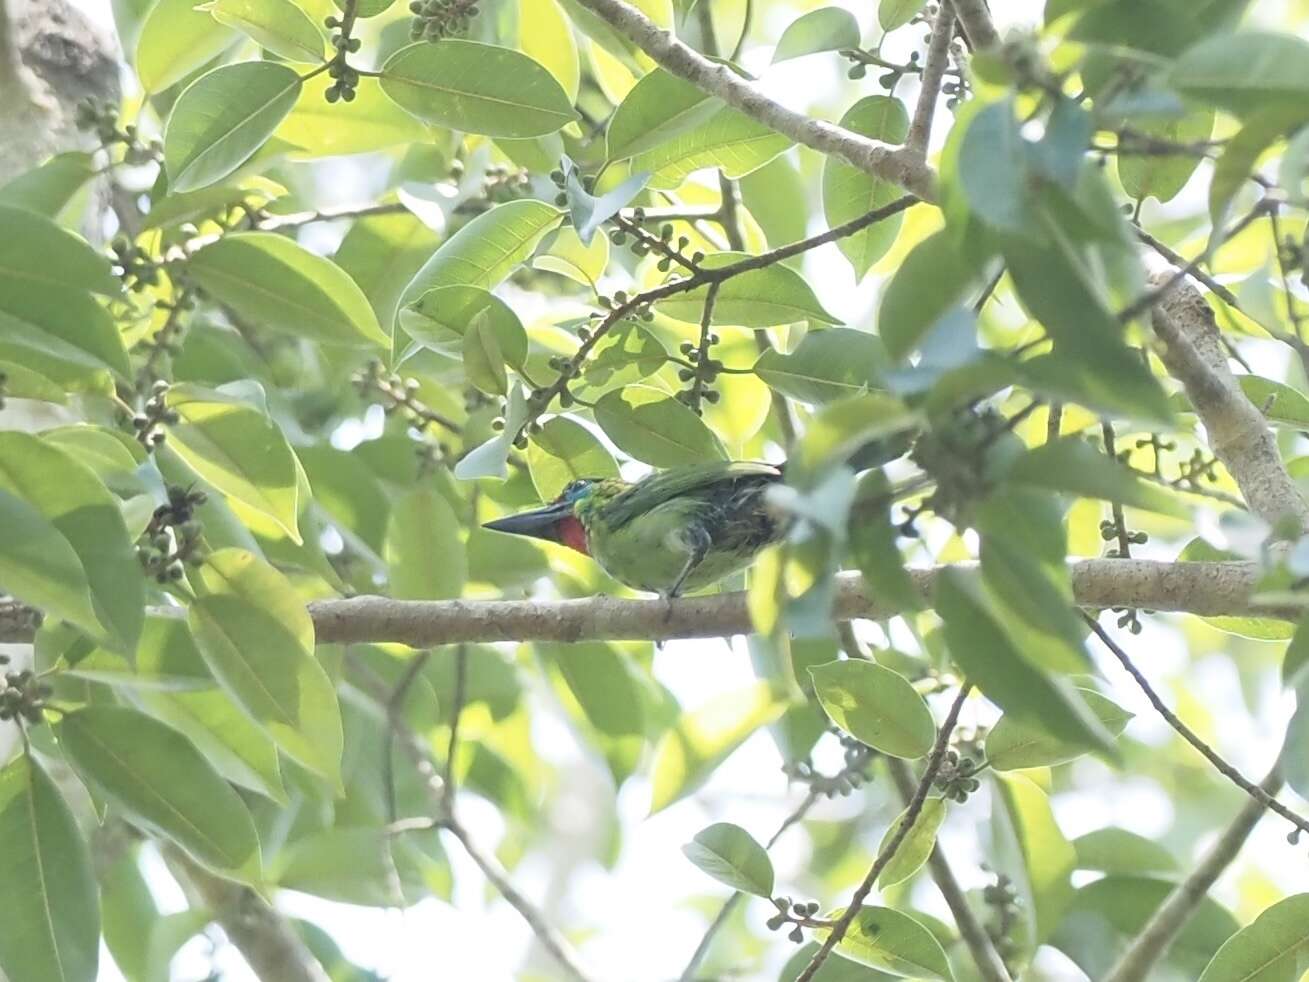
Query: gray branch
{"points": [[1207, 589], [1237, 431], [938, 59], [975, 19], [894, 164]]}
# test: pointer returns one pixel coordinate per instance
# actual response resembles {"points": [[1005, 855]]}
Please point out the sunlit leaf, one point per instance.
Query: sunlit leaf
{"points": [[876, 706], [730, 855]]}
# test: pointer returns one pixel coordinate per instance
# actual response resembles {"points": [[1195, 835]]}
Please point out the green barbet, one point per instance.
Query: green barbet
{"points": [[674, 531]]}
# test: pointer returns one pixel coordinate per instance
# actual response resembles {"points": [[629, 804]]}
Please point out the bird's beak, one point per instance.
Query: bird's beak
{"points": [[539, 524]]}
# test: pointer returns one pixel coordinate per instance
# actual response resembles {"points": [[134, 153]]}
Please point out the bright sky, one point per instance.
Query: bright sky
{"points": [[639, 924]]}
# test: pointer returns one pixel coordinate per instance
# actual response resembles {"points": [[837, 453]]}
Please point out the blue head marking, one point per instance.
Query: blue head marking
{"points": [[577, 490]]}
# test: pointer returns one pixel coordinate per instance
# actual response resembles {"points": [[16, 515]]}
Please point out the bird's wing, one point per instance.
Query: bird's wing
{"points": [[665, 485]]}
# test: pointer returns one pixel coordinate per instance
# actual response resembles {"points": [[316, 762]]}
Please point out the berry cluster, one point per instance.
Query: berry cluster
{"points": [[149, 423], [956, 779], [174, 536], [437, 19], [346, 78], [800, 916], [23, 696], [133, 265], [102, 120]]}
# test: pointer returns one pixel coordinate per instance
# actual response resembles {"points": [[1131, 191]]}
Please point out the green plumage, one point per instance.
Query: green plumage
{"points": [[674, 531], [699, 523]]}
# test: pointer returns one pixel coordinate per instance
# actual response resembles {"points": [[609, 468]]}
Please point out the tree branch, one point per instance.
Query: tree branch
{"points": [[891, 164], [441, 794], [990, 966], [1206, 589], [1238, 433], [1264, 799], [263, 936], [938, 58], [975, 19], [911, 813], [1171, 916]]}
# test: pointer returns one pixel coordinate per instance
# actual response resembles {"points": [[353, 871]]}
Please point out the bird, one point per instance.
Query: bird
{"points": [[674, 531]]}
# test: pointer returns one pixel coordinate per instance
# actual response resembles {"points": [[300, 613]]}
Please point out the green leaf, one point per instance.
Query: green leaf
{"points": [[278, 25], [381, 253], [366, 8], [1164, 175], [49, 188], [1275, 948], [728, 140], [34, 251], [1012, 745], [993, 168], [491, 459], [371, 121], [826, 365], [702, 739], [873, 546], [487, 249], [848, 425], [484, 364], [423, 548], [891, 941], [161, 781], [1277, 401], [39, 566], [281, 286], [566, 255], [477, 88], [562, 451], [1031, 849], [1239, 156], [48, 889], [238, 450], [65, 335], [659, 108], [989, 659], [442, 317], [896, 13], [876, 706], [1245, 72], [257, 639], [24, 383], [177, 38], [626, 354], [1106, 915], [931, 280], [604, 684], [849, 192], [70, 496], [766, 297], [230, 740], [222, 118], [545, 34], [655, 428], [917, 846], [1115, 850], [730, 855], [314, 865], [825, 29], [1073, 466]]}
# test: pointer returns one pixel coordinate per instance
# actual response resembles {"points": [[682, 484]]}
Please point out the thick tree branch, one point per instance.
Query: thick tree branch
{"points": [[938, 58], [1207, 589], [990, 966], [892, 164], [263, 936], [1171, 916], [975, 19], [1238, 433]]}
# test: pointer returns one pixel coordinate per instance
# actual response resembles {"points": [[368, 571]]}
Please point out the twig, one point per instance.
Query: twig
{"points": [[1156, 292], [394, 706], [938, 58], [1226, 295], [701, 370], [989, 964], [888, 852], [442, 817], [1222, 766], [890, 164], [730, 904], [1152, 941], [541, 399], [452, 746]]}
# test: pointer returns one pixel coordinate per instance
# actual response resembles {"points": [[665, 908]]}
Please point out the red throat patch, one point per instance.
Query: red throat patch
{"points": [[572, 534]]}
